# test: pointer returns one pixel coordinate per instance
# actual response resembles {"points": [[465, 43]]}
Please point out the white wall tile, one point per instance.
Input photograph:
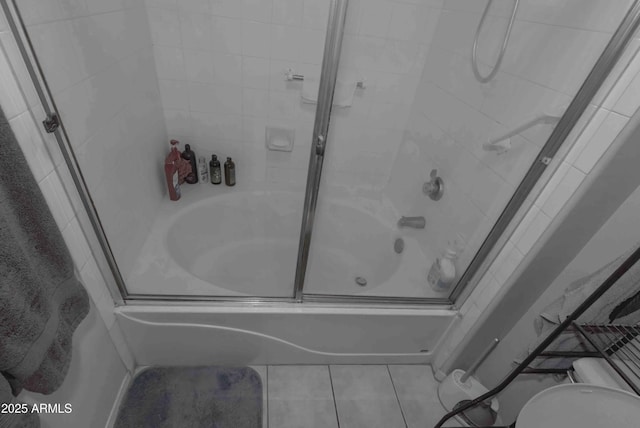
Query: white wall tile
{"points": [[169, 62], [98, 6], [285, 43], [315, 14], [509, 262], [178, 122], [596, 15], [196, 31], [226, 35], [255, 102], [75, 240], [198, 66], [165, 4], [227, 70], [585, 133], [288, 12], [256, 38], [194, 6], [532, 231], [376, 18], [283, 105], [174, 94], [95, 284], [551, 66], [257, 10], [627, 103], [561, 194], [165, 26], [406, 21], [600, 141], [255, 73], [311, 46], [228, 8]]}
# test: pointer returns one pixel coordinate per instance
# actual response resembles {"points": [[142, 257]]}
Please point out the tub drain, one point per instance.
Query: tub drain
{"points": [[361, 281], [398, 245]]}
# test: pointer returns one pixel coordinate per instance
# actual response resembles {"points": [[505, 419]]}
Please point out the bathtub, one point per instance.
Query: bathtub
{"points": [[233, 242], [281, 334], [238, 243]]}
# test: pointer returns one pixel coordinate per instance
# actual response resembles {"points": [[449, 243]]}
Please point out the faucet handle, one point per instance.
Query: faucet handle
{"points": [[434, 188]]}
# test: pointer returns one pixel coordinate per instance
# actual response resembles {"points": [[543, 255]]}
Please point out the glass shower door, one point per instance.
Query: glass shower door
{"points": [[127, 77], [423, 152]]}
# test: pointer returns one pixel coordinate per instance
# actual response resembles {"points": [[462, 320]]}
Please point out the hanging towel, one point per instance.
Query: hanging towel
{"points": [[41, 301], [342, 96], [620, 304]]}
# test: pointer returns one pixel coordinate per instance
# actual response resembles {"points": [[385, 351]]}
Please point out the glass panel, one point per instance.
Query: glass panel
{"points": [[129, 76], [424, 116]]}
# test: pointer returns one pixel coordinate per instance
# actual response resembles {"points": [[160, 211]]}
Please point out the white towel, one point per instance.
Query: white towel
{"points": [[342, 97]]}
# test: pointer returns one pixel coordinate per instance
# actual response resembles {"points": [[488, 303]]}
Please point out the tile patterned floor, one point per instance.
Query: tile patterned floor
{"points": [[349, 396]]}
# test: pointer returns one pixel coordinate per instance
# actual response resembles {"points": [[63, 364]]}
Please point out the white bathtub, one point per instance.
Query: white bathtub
{"points": [[281, 334], [244, 243], [230, 242]]}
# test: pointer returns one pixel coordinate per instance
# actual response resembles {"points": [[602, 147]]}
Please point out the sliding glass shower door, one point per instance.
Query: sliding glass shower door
{"points": [[223, 77], [443, 112], [428, 122]]}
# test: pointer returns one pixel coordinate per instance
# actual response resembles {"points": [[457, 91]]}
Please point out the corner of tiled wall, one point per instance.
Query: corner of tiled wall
{"points": [[616, 102]]}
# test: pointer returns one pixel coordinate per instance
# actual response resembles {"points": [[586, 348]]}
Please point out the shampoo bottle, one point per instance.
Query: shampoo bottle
{"points": [[229, 173], [190, 156], [443, 271], [171, 171], [203, 170], [214, 170]]}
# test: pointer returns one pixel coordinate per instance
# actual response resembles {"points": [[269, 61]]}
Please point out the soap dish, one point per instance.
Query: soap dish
{"points": [[279, 139]]}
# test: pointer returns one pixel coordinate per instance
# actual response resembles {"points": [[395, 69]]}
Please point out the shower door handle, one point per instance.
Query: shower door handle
{"points": [[320, 145]]}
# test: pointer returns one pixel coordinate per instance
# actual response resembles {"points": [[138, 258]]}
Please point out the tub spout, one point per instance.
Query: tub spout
{"points": [[413, 222]]}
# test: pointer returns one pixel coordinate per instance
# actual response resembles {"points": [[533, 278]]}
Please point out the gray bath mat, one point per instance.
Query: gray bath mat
{"points": [[193, 397]]}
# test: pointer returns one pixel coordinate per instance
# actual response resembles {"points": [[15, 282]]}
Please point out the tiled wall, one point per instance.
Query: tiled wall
{"points": [[614, 104], [100, 353], [98, 61], [221, 70], [550, 52]]}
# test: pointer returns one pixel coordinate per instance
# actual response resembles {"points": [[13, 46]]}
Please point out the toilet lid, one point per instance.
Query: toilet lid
{"points": [[580, 406]]}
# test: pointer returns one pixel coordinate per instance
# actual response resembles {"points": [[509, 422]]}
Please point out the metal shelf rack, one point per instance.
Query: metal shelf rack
{"points": [[617, 344]]}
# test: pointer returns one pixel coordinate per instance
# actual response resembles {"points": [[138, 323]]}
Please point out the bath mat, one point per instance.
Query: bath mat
{"points": [[193, 397]]}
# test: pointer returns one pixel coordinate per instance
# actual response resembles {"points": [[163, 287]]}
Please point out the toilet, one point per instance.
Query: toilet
{"points": [[601, 400]]}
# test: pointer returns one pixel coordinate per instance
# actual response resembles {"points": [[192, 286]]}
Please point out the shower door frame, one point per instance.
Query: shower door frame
{"points": [[332, 49], [498, 235]]}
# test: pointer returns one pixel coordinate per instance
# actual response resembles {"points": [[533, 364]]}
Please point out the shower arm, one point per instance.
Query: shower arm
{"points": [[505, 42], [545, 119]]}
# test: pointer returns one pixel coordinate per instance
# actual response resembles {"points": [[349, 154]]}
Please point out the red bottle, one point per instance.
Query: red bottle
{"points": [[171, 171]]}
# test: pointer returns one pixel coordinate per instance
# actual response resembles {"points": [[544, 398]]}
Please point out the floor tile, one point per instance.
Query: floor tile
{"points": [[300, 397], [262, 371], [418, 394], [365, 397]]}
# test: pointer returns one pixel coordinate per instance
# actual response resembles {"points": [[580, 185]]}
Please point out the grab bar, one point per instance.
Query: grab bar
{"points": [[503, 143], [290, 75]]}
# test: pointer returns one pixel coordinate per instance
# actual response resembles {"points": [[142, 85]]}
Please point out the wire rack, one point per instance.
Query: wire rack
{"points": [[619, 345]]}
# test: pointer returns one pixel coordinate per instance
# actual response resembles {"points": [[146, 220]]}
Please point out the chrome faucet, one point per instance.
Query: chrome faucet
{"points": [[413, 222]]}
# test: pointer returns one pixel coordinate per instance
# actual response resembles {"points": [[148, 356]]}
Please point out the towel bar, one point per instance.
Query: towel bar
{"points": [[290, 75]]}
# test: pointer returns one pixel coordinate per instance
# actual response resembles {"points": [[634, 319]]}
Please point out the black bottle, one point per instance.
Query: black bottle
{"points": [[229, 173], [189, 155], [214, 170]]}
